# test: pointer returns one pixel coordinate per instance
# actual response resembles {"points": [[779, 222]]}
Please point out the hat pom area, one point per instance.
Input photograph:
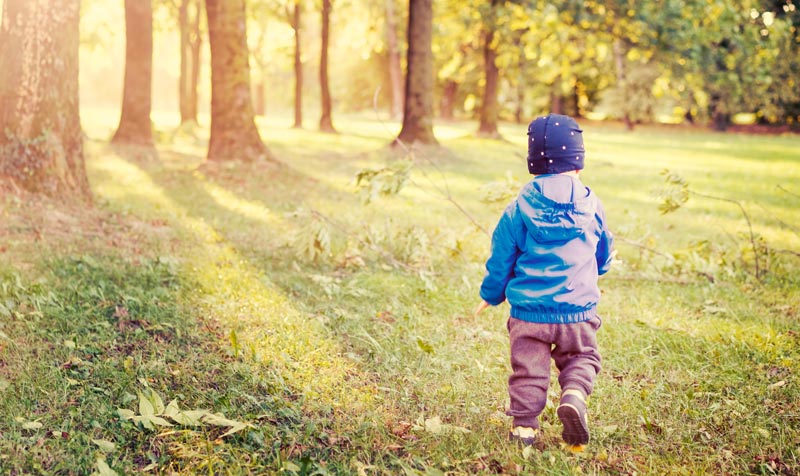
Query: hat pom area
{"points": [[555, 145]]}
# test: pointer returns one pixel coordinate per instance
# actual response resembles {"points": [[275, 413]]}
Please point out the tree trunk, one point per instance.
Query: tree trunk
{"points": [[555, 96], [41, 147], [619, 59], [418, 103], [260, 100], [448, 102], [490, 108], [191, 41], [134, 123], [325, 121], [720, 120], [395, 69], [233, 130], [298, 67]]}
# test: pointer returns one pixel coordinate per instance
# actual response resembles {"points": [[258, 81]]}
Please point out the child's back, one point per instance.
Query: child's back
{"points": [[548, 250]]}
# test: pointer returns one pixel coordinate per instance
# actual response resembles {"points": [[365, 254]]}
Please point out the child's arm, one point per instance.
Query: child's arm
{"points": [[605, 247], [500, 265]]}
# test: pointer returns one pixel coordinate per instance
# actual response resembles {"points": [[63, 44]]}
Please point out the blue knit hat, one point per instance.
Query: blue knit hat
{"points": [[555, 145]]}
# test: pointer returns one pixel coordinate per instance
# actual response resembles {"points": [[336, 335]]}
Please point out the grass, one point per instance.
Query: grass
{"points": [[341, 332]]}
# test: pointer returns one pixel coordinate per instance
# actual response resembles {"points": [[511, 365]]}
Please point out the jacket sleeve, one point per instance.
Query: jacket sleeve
{"points": [[500, 265], [605, 246]]}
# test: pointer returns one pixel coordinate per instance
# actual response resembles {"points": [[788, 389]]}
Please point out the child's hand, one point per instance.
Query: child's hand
{"points": [[483, 305]]}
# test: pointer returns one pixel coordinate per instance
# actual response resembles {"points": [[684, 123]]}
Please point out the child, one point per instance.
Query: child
{"points": [[548, 249]]}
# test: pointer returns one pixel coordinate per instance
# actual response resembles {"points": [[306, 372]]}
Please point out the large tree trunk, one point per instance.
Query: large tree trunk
{"points": [[41, 147], [395, 68], [191, 40], [134, 123], [260, 99], [325, 121], [298, 67], [490, 108], [233, 130], [418, 103]]}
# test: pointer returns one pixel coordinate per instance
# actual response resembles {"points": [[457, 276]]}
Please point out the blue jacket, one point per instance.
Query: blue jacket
{"points": [[548, 250]]}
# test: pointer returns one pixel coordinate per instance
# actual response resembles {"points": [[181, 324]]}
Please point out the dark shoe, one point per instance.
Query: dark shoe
{"points": [[525, 435], [572, 413]]}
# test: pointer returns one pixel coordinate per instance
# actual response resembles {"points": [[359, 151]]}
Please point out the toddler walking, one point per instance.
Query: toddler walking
{"points": [[548, 249]]}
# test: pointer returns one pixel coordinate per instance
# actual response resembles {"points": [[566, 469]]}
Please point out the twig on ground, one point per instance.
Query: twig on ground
{"points": [[747, 219], [643, 247], [781, 188]]}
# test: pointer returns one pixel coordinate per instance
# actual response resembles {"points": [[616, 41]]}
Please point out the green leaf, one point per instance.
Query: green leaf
{"points": [[158, 403], [145, 421], [145, 406], [105, 445], [433, 425], [217, 419], [158, 420], [125, 414], [427, 348], [103, 469], [190, 417], [31, 425], [234, 429], [172, 409]]}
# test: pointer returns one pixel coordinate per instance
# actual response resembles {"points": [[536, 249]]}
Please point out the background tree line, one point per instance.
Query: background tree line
{"points": [[637, 61]]}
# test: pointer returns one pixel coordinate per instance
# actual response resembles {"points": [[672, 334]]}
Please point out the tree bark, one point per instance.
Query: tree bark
{"points": [[555, 96], [619, 61], [448, 102], [298, 67], [418, 103], [233, 130], [490, 108], [260, 99], [191, 40], [41, 146], [325, 121], [395, 68], [134, 123]]}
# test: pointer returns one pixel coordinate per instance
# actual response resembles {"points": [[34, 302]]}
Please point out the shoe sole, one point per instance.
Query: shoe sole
{"points": [[525, 441], [576, 432]]}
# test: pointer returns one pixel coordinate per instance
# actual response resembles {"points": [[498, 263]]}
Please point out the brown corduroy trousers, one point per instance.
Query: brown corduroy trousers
{"points": [[573, 347]]}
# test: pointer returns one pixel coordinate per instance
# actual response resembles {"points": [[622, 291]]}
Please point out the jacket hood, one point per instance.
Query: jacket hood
{"points": [[556, 208]]}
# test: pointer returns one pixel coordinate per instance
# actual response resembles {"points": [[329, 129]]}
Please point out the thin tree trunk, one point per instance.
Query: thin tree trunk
{"points": [[490, 108], [418, 103], [395, 68], [233, 129], [555, 96], [298, 67], [191, 41], [41, 146], [448, 102], [134, 124], [520, 86], [619, 61], [325, 121]]}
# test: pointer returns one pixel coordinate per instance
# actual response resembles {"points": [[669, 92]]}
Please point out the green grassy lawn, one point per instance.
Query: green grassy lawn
{"points": [[314, 333]]}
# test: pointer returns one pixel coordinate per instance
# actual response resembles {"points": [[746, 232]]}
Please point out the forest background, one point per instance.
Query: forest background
{"points": [[252, 245]]}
